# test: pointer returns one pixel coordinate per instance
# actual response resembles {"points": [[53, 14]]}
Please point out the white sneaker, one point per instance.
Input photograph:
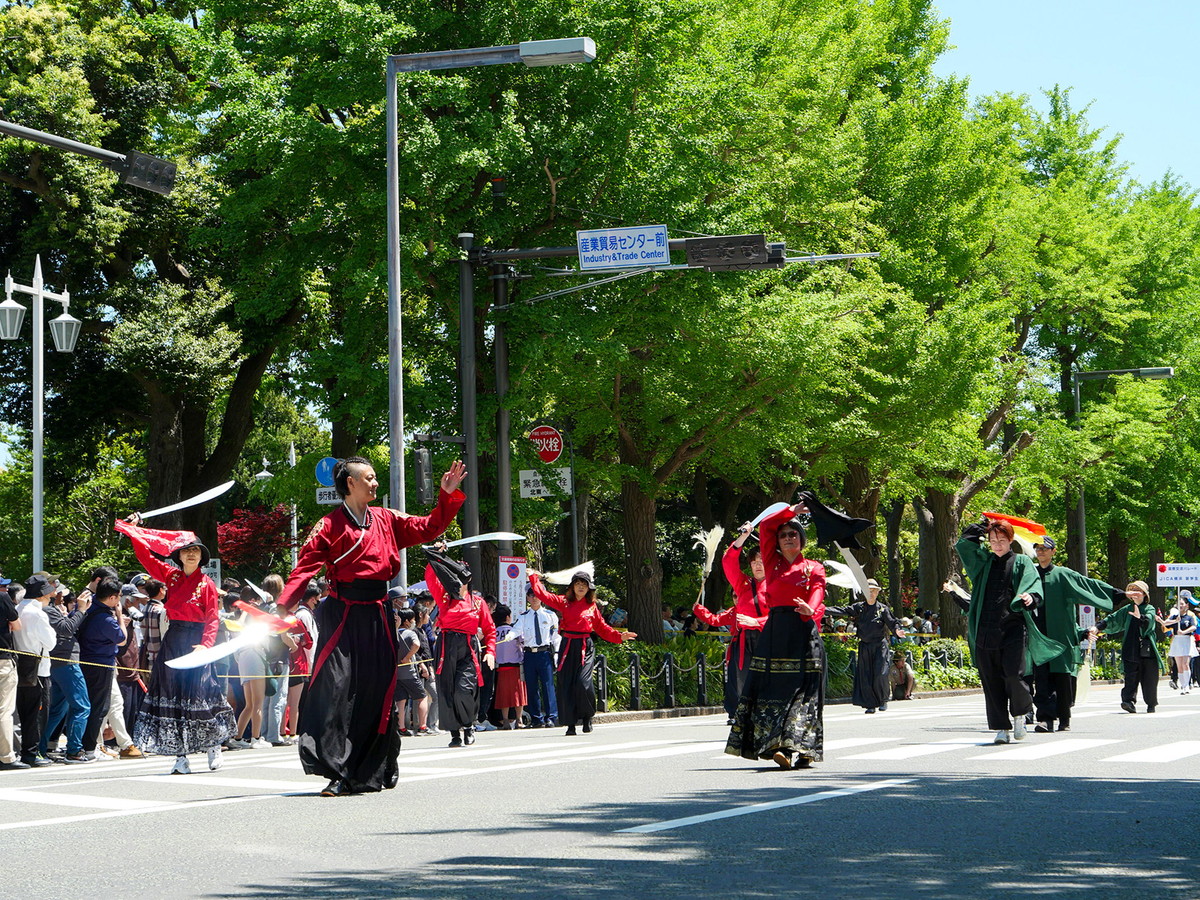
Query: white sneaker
{"points": [[238, 744], [214, 759], [485, 726], [181, 766], [260, 744], [1019, 730], [1001, 737]]}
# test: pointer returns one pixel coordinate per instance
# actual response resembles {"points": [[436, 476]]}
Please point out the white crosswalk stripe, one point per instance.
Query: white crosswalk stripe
{"points": [[1045, 750], [913, 751], [1163, 753]]}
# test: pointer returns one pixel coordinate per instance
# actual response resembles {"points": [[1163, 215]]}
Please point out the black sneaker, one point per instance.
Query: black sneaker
{"points": [[78, 758], [1063, 726], [468, 736], [1044, 727], [36, 762], [1174, 684], [587, 726], [570, 731], [15, 764], [455, 739], [1128, 707]]}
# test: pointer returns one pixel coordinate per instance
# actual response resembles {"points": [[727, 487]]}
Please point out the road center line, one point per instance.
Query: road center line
{"points": [[763, 807]]}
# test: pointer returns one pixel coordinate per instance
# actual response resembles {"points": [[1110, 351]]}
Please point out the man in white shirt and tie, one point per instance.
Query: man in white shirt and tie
{"points": [[538, 626]]}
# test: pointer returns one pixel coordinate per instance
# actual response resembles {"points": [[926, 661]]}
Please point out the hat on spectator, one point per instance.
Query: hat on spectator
{"points": [[38, 586], [1045, 541], [872, 583], [906, 622], [1138, 586], [139, 579], [397, 593]]}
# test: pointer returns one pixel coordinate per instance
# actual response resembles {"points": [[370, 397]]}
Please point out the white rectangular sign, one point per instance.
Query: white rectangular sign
{"points": [[532, 484], [623, 248], [328, 496], [512, 584], [1181, 574]]}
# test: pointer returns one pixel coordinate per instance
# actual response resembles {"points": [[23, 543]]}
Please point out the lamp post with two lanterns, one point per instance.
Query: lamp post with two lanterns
{"points": [[65, 331]]}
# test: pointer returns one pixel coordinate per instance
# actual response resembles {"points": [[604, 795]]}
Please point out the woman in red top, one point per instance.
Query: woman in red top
{"points": [[461, 615], [185, 710], [745, 619], [349, 731], [779, 715], [577, 655]]}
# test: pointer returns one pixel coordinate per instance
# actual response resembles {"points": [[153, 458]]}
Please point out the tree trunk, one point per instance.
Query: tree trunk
{"points": [[1157, 595], [1118, 559], [643, 569], [937, 530], [892, 519]]}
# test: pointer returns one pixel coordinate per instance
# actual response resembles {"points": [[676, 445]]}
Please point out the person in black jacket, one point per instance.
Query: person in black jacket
{"points": [[101, 632], [69, 704], [9, 622]]}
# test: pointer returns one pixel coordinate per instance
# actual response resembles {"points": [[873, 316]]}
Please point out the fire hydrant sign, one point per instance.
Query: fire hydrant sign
{"points": [[1177, 574], [512, 583], [532, 485], [548, 441], [623, 248]]}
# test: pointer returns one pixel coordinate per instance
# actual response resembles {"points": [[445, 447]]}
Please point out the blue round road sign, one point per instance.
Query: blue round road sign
{"points": [[325, 471]]}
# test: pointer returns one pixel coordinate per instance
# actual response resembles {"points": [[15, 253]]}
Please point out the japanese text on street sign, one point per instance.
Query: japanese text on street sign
{"points": [[1183, 574], [532, 484], [512, 584], [548, 441], [617, 248], [328, 496]]}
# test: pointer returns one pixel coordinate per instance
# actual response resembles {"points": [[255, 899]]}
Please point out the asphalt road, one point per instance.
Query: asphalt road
{"points": [[912, 802]]}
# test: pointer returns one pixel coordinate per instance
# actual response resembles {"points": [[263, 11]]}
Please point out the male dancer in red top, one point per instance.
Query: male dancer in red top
{"points": [[348, 727]]}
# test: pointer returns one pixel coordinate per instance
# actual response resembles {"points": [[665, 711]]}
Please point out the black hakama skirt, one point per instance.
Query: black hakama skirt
{"points": [[575, 689], [347, 723], [783, 700], [871, 685], [737, 667], [457, 681], [185, 710]]}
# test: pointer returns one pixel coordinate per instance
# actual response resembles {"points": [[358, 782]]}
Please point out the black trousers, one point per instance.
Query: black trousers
{"points": [[1143, 671], [1054, 694], [99, 687], [1000, 669], [33, 706]]}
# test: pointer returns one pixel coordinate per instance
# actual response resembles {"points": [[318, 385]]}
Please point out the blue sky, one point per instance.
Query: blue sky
{"points": [[1135, 63]]}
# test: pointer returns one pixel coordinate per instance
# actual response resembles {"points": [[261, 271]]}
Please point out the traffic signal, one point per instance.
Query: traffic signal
{"points": [[147, 172], [424, 468]]}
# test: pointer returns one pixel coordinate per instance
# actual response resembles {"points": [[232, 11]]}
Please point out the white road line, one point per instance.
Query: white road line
{"points": [[170, 807], [1043, 751], [669, 751], [912, 751], [847, 743], [763, 807], [1162, 754], [199, 780], [84, 801]]}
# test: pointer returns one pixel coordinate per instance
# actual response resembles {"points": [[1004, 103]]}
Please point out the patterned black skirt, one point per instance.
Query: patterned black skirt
{"points": [[185, 709], [783, 700]]}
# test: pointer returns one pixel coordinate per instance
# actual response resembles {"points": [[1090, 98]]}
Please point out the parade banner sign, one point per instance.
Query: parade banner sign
{"points": [[1177, 574]]}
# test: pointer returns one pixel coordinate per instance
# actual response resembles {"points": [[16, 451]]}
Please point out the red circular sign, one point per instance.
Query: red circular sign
{"points": [[548, 441]]}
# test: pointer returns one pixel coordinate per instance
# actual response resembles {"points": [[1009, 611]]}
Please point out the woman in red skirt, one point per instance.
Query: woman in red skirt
{"points": [[510, 679]]}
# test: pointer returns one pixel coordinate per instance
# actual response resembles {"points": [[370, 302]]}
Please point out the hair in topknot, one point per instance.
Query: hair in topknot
{"points": [[342, 472]]}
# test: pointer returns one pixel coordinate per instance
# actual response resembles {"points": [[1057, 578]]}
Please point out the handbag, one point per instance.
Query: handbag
{"points": [[27, 670]]}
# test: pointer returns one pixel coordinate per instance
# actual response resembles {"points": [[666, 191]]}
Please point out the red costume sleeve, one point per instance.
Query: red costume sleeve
{"points": [[554, 601], [211, 603], [726, 617], [602, 629], [309, 561], [731, 563], [816, 592], [413, 530], [489, 629], [154, 566]]}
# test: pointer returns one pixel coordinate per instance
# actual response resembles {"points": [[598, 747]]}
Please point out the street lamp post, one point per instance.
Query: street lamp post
{"points": [[65, 331], [1156, 372], [267, 475], [531, 53]]}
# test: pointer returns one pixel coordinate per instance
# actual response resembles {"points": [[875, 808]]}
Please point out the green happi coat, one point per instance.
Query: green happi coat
{"points": [[977, 563], [1062, 591]]}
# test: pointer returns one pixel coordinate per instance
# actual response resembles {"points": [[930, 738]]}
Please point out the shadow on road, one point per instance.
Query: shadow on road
{"points": [[945, 837]]}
